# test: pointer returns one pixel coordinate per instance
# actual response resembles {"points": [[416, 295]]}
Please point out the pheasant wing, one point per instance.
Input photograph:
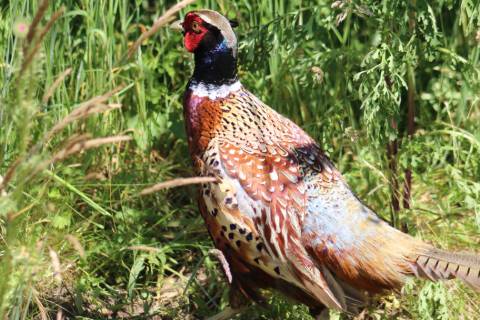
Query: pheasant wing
{"points": [[271, 189]]}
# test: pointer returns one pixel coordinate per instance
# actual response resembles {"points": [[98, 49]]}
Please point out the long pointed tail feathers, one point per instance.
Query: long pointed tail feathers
{"points": [[436, 264]]}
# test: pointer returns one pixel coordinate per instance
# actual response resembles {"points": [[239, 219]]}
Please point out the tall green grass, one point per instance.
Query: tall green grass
{"points": [[75, 236]]}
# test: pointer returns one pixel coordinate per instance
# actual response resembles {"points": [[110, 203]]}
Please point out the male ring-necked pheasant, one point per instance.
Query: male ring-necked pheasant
{"points": [[281, 213]]}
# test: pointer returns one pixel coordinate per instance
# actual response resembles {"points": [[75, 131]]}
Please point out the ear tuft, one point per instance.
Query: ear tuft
{"points": [[233, 23]]}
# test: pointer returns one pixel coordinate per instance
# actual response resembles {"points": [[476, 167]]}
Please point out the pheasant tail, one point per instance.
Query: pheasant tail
{"points": [[436, 264]]}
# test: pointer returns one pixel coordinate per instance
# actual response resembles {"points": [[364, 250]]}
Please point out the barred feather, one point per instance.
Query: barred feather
{"points": [[436, 264]]}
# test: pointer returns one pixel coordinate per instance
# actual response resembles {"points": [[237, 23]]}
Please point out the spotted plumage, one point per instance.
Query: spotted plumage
{"points": [[280, 211]]}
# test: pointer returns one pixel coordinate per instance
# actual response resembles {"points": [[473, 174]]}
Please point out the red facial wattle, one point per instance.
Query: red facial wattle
{"points": [[194, 31], [192, 40]]}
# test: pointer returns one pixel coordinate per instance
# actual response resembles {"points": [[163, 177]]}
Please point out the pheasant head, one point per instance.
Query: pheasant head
{"points": [[210, 37]]}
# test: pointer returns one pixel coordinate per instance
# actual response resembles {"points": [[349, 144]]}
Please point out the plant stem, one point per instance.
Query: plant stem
{"points": [[407, 189], [392, 151]]}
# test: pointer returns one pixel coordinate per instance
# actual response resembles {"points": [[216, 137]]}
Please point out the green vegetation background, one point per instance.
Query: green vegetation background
{"points": [[77, 236]]}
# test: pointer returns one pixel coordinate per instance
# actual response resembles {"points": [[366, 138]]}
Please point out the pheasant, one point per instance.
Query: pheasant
{"points": [[280, 212]]}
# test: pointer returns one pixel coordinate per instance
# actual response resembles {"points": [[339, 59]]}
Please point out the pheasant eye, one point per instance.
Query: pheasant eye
{"points": [[196, 27]]}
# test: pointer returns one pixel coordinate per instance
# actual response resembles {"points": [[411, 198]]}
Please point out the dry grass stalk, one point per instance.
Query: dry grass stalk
{"points": [[74, 145], [85, 109], [76, 244], [144, 248], [41, 308], [177, 183], [223, 261], [13, 216], [113, 106], [81, 143], [9, 174], [29, 57], [55, 85], [2, 192], [33, 26], [167, 17], [57, 268], [82, 112]]}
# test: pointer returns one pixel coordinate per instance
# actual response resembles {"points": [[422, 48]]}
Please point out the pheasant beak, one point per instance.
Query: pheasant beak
{"points": [[177, 25]]}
